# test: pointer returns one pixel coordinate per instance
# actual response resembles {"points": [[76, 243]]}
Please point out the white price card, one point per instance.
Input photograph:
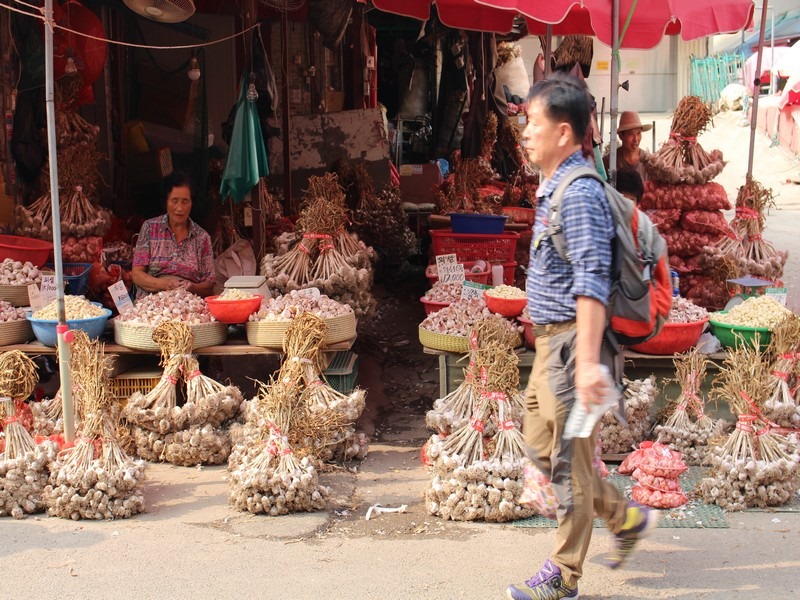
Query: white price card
{"points": [[449, 269], [778, 294], [119, 294], [34, 297], [470, 290], [49, 289]]}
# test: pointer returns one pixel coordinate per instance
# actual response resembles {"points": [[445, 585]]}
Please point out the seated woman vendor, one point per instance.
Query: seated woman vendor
{"points": [[172, 250]]}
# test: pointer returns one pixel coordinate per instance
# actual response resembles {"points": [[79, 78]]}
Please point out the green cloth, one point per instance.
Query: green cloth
{"points": [[247, 155]]}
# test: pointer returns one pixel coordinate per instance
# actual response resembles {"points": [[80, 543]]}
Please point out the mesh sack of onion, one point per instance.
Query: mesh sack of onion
{"points": [[192, 433], [95, 478], [690, 436], [755, 466], [476, 477]]}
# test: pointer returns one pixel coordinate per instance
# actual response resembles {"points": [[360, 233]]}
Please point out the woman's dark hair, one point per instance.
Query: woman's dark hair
{"points": [[564, 98], [173, 180], [630, 182]]}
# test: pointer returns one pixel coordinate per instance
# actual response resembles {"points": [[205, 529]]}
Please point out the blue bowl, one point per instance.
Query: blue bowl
{"points": [[476, 223], [45, 329]]}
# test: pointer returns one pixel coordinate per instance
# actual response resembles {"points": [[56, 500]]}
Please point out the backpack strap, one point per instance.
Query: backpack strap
{"points": [[554, 229]]}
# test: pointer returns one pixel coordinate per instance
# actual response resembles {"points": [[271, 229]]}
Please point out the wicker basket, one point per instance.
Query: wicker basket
{"points": [[449, 343], [269, 334], [16, 295], [141, 336], [15, 332]]}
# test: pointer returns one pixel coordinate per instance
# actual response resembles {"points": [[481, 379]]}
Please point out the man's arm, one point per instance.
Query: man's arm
{"points": [[590, 385]]}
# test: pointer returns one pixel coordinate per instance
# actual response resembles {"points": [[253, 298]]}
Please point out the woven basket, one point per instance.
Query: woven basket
{"points": [[15, 332], [449, 343], [140, 337], [270, 334], [16, 295]]}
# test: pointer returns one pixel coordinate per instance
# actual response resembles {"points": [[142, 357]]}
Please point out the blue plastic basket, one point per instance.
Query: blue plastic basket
{"points": [[45, 329], [76, 276], [475, 223]]}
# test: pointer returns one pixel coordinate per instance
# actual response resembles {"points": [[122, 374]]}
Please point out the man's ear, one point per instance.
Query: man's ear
{"points": [[565, 134]]}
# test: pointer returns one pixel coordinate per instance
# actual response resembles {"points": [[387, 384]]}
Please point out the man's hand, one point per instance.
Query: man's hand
{"points": [[591, 385]]}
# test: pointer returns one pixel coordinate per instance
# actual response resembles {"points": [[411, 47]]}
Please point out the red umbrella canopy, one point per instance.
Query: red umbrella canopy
{"points": [[650, 19]]}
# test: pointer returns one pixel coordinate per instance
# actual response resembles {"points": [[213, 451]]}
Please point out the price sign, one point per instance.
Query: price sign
{"points": [[449, 269], [311, 292], [119, 294], [34, 297], [471, 290], [48, 290], [778, 294]]}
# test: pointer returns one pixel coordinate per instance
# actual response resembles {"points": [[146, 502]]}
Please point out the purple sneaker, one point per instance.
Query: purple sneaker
{"points": [[639, 521], [547, 584]]}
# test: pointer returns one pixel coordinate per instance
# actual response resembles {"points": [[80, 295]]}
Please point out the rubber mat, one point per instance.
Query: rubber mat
{"points": [[693, 515]]}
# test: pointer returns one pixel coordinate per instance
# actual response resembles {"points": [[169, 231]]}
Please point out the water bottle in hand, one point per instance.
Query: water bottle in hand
{"points": [[581, 421]]}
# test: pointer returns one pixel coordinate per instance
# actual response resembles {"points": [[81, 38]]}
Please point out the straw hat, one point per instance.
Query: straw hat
{"points": [[629, 119]]}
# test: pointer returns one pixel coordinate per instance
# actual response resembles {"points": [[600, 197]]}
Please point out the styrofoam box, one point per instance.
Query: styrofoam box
{"points": [[254, 284]]}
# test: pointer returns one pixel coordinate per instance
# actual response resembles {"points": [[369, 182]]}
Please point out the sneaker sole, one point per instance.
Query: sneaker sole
{"points": [[510, 596], [653, 516]]}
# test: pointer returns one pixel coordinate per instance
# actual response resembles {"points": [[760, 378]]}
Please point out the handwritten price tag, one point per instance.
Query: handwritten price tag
{"points": [[34, 297], [119, 294], [449, 269], [471, 290], [49, 289], [778, 294]]}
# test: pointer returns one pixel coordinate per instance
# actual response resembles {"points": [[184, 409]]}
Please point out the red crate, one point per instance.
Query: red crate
{"points": [[495, 248]]}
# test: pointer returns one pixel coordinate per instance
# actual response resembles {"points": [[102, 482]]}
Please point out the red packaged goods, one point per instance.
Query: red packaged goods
{"points": [[664, 218], [687, 243], [686, 265], [656, 498], [705, 221], [82, 250], [709, 196]]}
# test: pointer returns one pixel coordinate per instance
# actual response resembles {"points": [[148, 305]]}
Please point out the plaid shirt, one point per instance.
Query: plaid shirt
{"points": [[554, 284], [158, 251]]}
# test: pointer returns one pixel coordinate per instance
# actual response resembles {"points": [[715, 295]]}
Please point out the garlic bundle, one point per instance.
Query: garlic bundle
{"points": [[87, 484], [9, 313], [291, 304], [782, 405], [173, 305], [15, 272], [640, 395], [197, 445], [268, 479]]}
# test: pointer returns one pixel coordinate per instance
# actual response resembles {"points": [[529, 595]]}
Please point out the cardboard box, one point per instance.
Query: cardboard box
{"points": [[519, 122], [417, 181]]}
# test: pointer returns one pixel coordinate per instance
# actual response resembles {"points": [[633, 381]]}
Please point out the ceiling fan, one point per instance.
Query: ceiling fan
{"points": [[163, 11]]}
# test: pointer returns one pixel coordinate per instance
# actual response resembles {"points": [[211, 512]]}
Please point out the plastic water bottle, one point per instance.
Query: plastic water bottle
{"points": [[581, 421], [497, 275], [676, 284]]}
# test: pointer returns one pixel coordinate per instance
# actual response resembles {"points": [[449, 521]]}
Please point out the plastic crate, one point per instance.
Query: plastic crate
{"points": [[495, 248], [519, 214], [123, 386], [76, 276], [342, 373]]}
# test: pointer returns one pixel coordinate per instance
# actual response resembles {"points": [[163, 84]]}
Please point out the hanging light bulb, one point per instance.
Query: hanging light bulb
{"points": [[252, 93], [70, 67], [194, 69]]}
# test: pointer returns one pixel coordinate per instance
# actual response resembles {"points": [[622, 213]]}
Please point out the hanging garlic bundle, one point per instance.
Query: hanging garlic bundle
{"points": [[782, 406], [24, 465], [268, 478], [322, 253], [691, 437], [754, 467], [192, 433], [616, 438], [96, 479]]}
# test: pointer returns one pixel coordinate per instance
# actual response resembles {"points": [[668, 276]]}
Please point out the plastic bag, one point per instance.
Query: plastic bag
{"points": [[239, 259], [537, 492]]}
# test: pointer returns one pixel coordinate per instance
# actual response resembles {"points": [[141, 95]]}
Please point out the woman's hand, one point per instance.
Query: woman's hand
{"points": [[171, 282]]}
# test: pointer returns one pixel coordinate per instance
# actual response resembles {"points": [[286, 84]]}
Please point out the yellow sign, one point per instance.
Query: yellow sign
{"points": [[602, 65]]}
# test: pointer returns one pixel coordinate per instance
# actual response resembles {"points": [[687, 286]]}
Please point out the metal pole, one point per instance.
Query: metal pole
{"points": [[602, 116], [287, 162], [62, 329], [772, 51], [612, 156], [654, 136], [756, 91], [548, 49]]}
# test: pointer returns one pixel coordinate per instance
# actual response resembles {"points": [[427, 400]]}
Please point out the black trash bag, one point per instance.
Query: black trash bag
{"points": [[330, 18]]}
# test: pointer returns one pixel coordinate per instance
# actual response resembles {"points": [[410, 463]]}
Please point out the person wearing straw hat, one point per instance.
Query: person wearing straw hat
{"points": [[629, 154]]}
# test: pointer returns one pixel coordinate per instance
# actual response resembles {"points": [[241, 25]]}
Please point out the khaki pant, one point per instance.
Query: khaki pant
{"points": [[581, 492]]}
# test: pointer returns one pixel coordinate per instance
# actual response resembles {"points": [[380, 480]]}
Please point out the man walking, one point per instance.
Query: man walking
{"points": [[567, 301]]}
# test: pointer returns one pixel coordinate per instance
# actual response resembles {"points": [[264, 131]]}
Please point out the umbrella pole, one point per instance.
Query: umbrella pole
{"points": [[548, 50], [287, 163], [756, 90], [62, 328], [614, 101]]}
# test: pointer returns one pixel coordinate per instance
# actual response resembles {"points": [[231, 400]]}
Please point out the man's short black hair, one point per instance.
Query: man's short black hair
{"points": [[564, 99], [630, 182]]}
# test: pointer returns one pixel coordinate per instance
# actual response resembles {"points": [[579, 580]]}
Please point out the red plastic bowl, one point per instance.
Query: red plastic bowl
{"points": [[24, 249], [508, 307], [431, 306], [673, 338], [530, 337], [233, 311]]}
